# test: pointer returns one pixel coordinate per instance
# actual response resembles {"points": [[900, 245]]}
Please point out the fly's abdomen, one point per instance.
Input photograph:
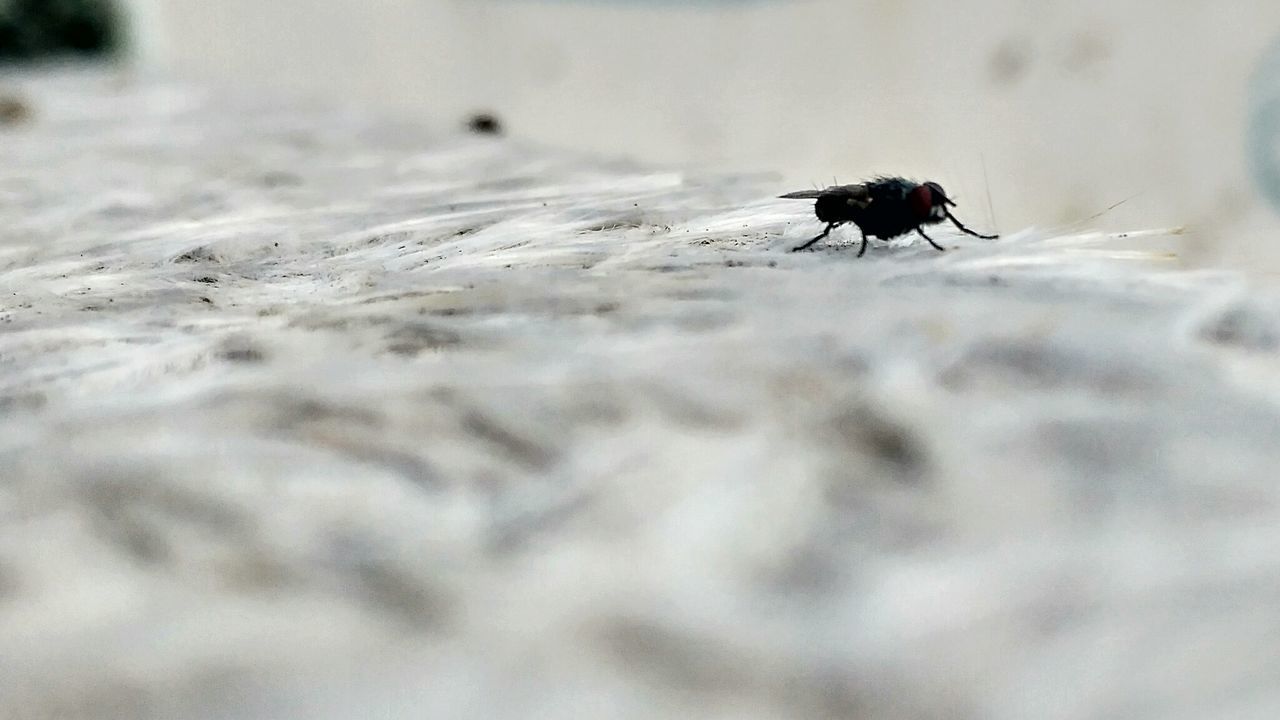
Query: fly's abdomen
{"points": [[833, 208]]}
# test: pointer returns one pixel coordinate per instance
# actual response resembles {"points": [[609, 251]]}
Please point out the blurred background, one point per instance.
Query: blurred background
{"points": [[1033, 114]]}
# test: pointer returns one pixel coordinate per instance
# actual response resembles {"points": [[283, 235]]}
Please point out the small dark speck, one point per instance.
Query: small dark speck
{"points": [[8, 582], [1089, 51], [13, 110], [1242, 327], [200, 254], [207, 280], [1010, 61], [277, 244], [413, 339], [484, 124], [896, 444], [279, 178], [206, 300], [451, 311], [248, 355]]}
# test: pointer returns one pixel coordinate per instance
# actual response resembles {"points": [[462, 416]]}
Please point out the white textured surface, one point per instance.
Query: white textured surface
{"points": [[308, 416], [1054, 110]]}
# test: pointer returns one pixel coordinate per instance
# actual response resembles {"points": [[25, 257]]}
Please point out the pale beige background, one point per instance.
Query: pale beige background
{"points": [[1057, 109]]}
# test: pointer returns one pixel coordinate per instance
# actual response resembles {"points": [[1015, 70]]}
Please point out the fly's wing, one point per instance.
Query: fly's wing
{"points": [[859, 194], [855, 195]]}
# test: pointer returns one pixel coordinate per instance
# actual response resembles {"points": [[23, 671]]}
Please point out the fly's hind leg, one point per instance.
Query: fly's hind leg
{"points": [[863, 250], [811, 242]]}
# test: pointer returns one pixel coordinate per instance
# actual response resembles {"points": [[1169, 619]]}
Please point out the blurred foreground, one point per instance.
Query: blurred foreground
{"points": [[306, 415]]}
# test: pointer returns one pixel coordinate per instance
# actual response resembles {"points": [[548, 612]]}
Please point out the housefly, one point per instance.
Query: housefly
{"points": [[885, 208]]}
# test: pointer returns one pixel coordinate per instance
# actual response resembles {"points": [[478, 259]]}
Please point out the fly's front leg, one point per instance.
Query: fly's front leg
{"points": [[931, 242], [966, 230]]}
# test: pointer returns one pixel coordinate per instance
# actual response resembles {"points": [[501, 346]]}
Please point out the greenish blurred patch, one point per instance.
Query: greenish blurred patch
{"points": [[33, 29]]}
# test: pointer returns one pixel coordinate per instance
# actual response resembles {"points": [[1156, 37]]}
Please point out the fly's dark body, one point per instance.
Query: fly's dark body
{"points": [[883, 208]]}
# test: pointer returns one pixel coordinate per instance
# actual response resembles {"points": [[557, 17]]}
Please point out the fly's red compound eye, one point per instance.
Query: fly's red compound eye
{"points": [[920, 200]]}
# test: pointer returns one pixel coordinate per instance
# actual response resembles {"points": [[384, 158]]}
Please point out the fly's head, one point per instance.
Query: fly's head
{"points": [[928, 203]]}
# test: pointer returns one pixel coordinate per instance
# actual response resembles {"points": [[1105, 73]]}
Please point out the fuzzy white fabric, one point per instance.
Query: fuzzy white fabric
{"points": [[305, 415]]}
